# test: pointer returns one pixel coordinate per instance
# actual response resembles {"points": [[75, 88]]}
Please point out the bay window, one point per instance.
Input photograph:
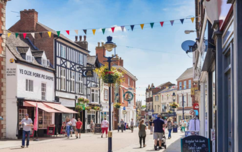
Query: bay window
{"points": [[94, 95], [63, 79], [72, 81]]}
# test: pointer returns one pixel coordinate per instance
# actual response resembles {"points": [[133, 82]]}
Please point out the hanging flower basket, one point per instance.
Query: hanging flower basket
{"points": [[174, 105], [81, 99], [88, 108], [117, 105], [86, 101], [109, 76], [96, 108], [170, 111], [79, 108]]}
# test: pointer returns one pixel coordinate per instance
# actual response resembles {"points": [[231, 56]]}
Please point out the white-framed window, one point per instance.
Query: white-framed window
{"points": [[63, 79], [147, 95], [79, 83], [156, 98], [105, 94], [80, 59], [43, 91], [180, 85], [29, 85], [150, 93], [189, 100], [180, 100], [128, 81], [94, 95], [29, 58], [72, 81], [185, 100], [190, 84], [63, 51], [185, 84]]}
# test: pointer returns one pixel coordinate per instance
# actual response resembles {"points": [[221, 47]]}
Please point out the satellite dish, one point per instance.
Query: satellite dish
{"points": [[185, 45]]}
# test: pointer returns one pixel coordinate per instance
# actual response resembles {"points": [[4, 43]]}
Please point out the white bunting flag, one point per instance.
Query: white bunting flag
{"points": [[33, 34], [76, 32]]}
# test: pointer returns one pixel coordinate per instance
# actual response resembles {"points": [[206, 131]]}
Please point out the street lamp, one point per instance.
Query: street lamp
{"points": [[174, 98], [109, 46], [189, 31]]}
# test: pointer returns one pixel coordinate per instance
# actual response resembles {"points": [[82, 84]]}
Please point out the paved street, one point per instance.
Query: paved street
{"points": [[122, 142]]}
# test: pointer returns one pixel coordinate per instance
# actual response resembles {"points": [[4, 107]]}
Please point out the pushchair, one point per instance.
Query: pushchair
{"points": [[163, 144]]}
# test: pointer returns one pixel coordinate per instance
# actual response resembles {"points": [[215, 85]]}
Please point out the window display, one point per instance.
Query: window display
{"points": [[45, 119]]}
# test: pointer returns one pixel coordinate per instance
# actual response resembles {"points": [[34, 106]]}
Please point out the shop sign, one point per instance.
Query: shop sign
{"points": [[67, 103], [124, 112], [35, 74], [195, 143], [128, 96], [87, 73], [11, 72], [196, 106]]}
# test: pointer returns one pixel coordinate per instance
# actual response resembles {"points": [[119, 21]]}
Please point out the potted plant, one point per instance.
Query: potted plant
{"points": [[87, 108], [117, 105], [79, 108], [96, 108], [86, 101], [80, 99], [174, 105]]}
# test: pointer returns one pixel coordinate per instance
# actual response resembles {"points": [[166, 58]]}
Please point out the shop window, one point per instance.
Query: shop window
{"points": [[91, 115], [63, 51], [94, 96], [185, 84], [72, 81], [44, 118], [21, 115], [43, 91], [190, 84], [63, 79], [105, 94], [29, 85]]}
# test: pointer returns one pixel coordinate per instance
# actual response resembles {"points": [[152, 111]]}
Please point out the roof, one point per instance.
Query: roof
{"points": [[22, 49], [12, 43], [61, 36], [37, 54], [186, 75], [171, 88], [125, 70]]}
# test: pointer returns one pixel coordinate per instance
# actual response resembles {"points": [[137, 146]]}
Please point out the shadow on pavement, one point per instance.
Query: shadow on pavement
{"points": [[175, 146]]}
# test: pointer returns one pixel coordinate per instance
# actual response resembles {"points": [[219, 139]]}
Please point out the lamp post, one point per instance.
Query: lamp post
{"points": [[109, 46], [174, 99]]}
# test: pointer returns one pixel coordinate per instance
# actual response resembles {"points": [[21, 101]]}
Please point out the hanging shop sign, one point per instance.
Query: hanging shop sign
{"points": [[11, 60], [195, 143], [128, 96], [196, 106], [124, 112], [87, 73]]}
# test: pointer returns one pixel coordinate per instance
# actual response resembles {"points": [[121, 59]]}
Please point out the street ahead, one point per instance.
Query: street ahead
{"points": [[122, 142]]}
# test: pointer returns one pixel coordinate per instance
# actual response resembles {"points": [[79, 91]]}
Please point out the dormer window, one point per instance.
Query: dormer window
{"points": [[29, 58], [45, 62]]}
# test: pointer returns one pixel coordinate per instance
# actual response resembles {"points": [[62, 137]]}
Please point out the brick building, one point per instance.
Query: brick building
{"points": [[118, 90], [2, 69]]}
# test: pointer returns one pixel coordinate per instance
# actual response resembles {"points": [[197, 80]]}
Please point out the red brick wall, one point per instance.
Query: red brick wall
{"points": [[187, 86]]}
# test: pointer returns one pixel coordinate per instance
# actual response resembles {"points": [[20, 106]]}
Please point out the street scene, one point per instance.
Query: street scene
{"points": [[120, 76]]}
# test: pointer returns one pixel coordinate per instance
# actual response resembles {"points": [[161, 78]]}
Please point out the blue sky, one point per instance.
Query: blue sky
{"points": [[152, 55]]}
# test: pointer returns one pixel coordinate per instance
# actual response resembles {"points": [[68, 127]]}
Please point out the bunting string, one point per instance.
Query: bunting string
{"points": [[103, 30]]}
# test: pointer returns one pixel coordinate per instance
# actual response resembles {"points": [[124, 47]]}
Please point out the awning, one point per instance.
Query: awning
{"points": [[40, 105], [60, 108]]}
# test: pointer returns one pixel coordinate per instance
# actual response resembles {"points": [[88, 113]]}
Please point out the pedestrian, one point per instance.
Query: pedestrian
{"points": [[183, 126], [142, 133], [125, 126], [151, 126], [104, 126], [169, 127], [132, 125], [122, 125], [78, 128], [158, 123], [119, 126], [68, 127], [92, 125], [27, 123], [73, 126]]}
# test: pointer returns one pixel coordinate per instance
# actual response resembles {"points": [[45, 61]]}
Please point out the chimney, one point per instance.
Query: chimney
{"points": [[85, 37], [80, 38], [82, 44], [28, 20], [76, 38], [100, 52]]}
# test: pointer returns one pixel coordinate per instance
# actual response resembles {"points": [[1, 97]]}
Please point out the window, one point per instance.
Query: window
{"points": [[79, 83], [72, 81], [63, 79], [29, 85], [80, 60], [180, 85], [190, 84], [128, 82], [167, 96], [163, 107], [63, 51], [189, 100], [94, 96], [156, 98], [185, 84], [105, 94], [43, 91], [29, 58], [185, 99], [180, 100], [147, 95], [150, 93]]}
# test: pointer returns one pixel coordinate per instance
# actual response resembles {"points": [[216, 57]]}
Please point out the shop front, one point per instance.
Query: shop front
{"points": [[187, 115]]}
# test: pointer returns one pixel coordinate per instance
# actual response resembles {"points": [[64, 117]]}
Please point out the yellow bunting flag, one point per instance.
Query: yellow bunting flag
{"points": [[49, 33], [9, 34], [192, 19], [142, 26], [93, 31]]}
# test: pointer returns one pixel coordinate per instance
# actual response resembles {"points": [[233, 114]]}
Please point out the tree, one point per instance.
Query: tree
{"points": [[143, 107]]}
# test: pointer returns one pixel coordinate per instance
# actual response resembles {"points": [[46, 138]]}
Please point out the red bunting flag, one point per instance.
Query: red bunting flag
{"points": [[68, 32], [112, 28], [161, 23], [24, 34]]}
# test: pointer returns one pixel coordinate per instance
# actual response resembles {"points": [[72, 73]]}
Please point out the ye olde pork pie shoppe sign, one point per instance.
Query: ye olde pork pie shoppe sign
{"points": [[195, 143], [35, 74]]}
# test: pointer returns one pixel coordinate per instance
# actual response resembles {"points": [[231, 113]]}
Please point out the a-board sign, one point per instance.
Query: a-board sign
{"points": [[190, 133], [195, 144], [51, 130], [97, 128], [63, 130]]}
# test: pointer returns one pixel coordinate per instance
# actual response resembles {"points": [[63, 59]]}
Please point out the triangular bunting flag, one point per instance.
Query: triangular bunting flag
{"points": [[103, 30], [151, 25], [49, 33], [24, 35], [93, 31], [142, 26], [33, 35], [161, 23], [122, 27], [85, 31], [40, 34], [16, 34], [172, 21], [9, 34], [76, 32], [112, 28], [132, 27], [192, 19], [68, 32], [182, 20], [58, 33]]}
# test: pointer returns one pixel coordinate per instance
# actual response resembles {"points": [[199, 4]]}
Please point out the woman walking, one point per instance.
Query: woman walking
{"points": [[142, 133], [68, 127], [183, 126], [169, 127], [104, 126], [151, 126]]}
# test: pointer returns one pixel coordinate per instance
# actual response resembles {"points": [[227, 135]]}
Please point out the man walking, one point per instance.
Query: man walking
{"points": [[158, 123], [73, 125], [122, 125], [27, 123], [132, 125]]}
